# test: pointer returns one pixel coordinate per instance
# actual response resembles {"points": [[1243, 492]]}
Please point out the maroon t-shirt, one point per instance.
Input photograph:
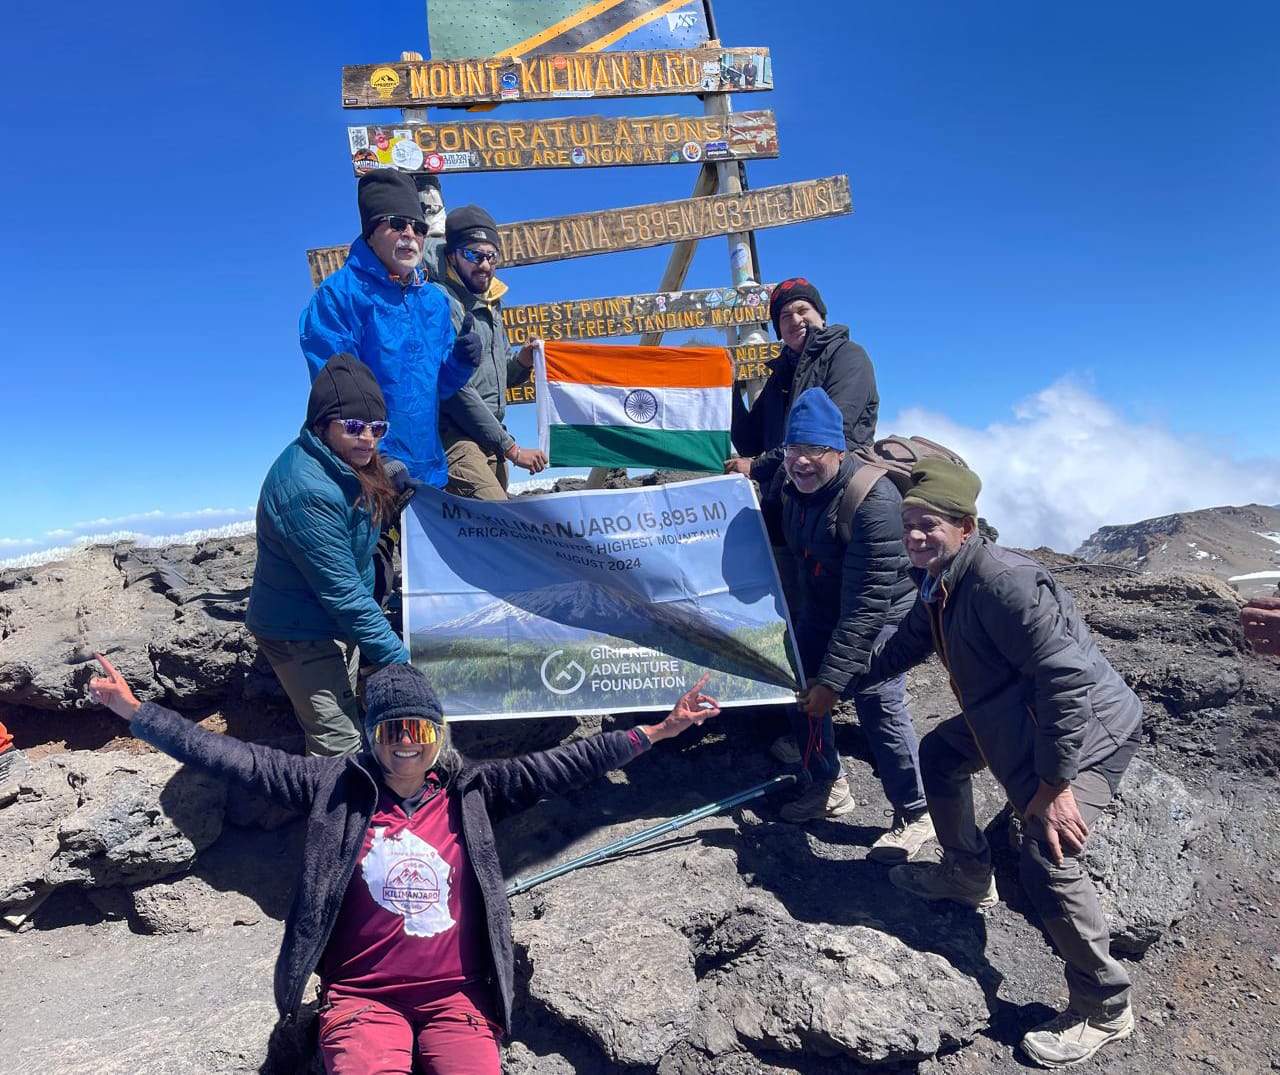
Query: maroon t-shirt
{"points": [[412, 923]]}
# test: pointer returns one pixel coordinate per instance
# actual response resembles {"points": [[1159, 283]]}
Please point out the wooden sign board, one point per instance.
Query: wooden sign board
{"points": [[748, 362], [630, 315], [556, 76], [531, 242], [578, 142]]}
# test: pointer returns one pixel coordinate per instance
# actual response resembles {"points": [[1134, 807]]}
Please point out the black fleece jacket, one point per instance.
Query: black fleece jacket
{"points": [[854, 589], [830, 361], [338, 796]]}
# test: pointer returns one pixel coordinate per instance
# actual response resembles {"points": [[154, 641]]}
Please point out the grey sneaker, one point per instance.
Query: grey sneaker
{"points": [[825, 798], [946, 880], [904, 840], [785, 750], [1070, 1038]]}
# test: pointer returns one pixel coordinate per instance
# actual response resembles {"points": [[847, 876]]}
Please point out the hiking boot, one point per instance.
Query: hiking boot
{"points": [[784, 749], [825, 798], [904, 839], [1070, 1038], [946, 880]]}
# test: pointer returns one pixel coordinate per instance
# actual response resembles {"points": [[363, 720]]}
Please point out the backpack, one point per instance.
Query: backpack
{"points": [[890, 457]]}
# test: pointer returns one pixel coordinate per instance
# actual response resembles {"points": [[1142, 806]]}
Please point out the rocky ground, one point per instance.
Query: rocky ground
{"points": [[1227, 542], [737, 945]]}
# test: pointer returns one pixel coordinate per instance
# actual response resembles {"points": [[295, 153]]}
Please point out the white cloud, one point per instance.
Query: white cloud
{"points": [[158, 517], [1069, 463], [150, 528]]}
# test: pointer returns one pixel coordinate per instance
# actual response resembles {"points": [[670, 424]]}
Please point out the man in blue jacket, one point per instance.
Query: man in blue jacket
{"points": [[852, 590], [1045, 712], [380, 308]]}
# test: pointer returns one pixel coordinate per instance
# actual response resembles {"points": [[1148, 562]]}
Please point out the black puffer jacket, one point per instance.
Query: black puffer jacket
{"points": [[1041, 700], [850, 590], [831, 361], [338, 796]]}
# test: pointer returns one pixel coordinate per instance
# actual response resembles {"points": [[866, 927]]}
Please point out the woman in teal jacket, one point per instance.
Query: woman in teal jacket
{"points": [[312, 607]]}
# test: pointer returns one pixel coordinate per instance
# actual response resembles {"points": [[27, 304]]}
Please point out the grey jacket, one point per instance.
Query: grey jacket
{"points": [[1040, 699], [478, 409], [338, 796]]}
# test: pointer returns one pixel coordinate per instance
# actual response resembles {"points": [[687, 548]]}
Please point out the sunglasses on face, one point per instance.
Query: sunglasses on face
{"points": [[421, 732], [809, 451], [477, 258], [353, 427], [399, 223]]}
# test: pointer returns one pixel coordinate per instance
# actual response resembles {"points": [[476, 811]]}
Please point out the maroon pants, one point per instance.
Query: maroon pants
{"points": [[450, 1036]]}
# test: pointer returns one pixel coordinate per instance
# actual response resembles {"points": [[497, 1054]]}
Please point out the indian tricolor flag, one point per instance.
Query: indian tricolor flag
{"points": [[607, 405]]}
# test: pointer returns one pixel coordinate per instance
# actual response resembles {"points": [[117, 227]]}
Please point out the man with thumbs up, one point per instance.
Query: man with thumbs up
{"points": [[477, 444], [380, 307]]}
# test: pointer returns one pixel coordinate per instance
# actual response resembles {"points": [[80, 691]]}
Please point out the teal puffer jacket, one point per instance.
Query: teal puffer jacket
{"points": [[314, 575]]}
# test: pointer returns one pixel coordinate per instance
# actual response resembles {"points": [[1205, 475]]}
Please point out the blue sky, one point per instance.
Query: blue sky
{"points": [[1064, 254]]}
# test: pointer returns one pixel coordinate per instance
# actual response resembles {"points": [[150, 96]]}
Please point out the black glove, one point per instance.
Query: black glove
{"points": [[467, 346]]}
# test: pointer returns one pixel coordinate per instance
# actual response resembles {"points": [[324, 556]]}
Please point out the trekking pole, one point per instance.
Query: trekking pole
{"points": [[636, 839]]}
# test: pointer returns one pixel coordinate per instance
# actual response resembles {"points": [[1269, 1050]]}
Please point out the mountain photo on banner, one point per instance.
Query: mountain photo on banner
{"points": [[463, 28], [601, 601], [614, 405]]}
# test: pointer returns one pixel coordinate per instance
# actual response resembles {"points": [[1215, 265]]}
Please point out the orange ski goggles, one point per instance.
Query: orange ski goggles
{"points": [[420, 731]]}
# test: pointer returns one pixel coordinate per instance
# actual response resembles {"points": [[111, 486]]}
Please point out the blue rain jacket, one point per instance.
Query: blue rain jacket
{"points": [[405, 335]]}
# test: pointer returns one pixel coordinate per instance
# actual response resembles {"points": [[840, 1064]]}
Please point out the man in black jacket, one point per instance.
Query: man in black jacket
{"points": [[1045, 712], [852, 590], [814, 355]]}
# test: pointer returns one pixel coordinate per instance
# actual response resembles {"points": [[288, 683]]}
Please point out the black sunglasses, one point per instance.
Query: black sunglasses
{"points": [[399, 223], [353, 427]]}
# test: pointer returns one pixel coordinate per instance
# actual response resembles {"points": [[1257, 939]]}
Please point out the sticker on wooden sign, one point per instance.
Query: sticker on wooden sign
{"points": [[384, 80], [406, 155]]}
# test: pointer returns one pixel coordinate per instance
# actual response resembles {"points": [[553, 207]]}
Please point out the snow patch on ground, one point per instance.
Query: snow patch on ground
{"points": [[114, 537]]}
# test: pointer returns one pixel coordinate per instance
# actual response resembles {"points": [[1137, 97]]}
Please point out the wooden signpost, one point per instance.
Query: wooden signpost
{"points": [[576, 142], [717, 140], [630, 315], [530, 242], [551, 77]]}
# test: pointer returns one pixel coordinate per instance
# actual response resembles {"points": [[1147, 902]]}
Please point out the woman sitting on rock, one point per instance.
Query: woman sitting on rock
{"points": [[400, 903], [312, 607]]}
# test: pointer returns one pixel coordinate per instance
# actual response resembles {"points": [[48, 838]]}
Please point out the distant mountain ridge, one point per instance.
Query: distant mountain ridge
{"points": [[1225, 542]]}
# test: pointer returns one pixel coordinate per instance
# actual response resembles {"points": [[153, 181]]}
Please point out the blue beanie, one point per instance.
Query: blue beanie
{"points": [[814, 419], [399, 692]]}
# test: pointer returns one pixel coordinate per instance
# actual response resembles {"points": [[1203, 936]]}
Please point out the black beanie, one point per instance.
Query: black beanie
{"points": [[788, 291], [469, 224], [345, 388], [399, 692], [383, 193]]}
